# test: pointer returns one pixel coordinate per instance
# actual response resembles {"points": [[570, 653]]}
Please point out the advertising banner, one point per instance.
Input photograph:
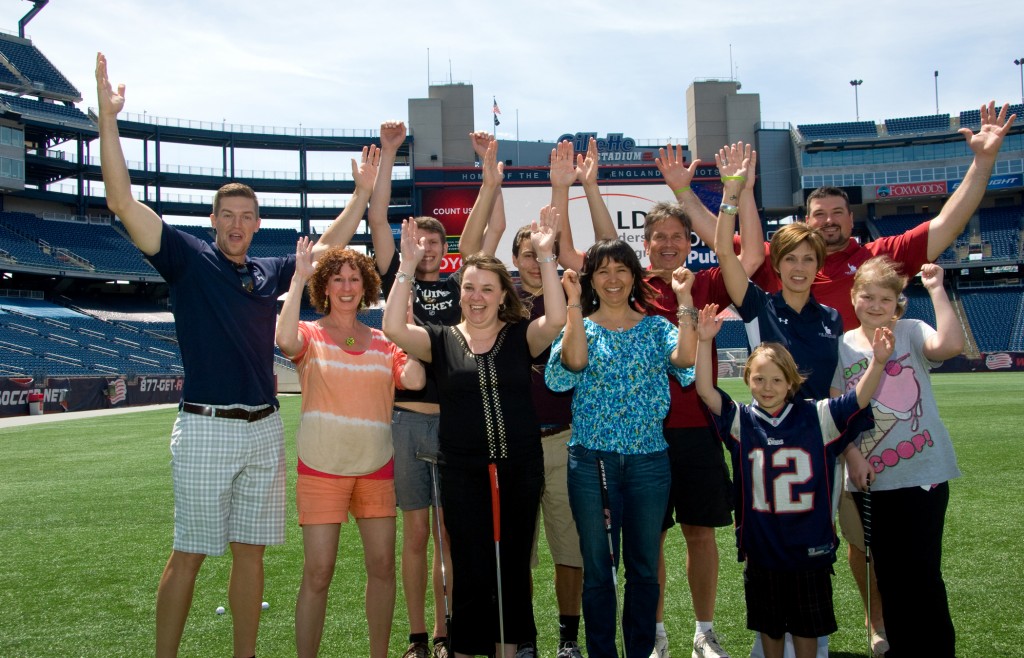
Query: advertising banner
{"points": [[62, 394]]}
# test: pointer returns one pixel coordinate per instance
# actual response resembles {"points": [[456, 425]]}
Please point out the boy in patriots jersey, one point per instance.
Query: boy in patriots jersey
{"points": [[784, 452]]}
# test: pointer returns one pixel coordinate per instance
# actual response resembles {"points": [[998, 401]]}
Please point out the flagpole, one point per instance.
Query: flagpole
{"points": [[517, 138]]}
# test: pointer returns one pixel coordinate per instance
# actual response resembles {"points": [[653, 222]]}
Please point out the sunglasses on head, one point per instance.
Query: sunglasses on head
{"points": [[245, 277]]}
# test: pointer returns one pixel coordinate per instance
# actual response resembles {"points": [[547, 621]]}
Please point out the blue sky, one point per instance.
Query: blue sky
{"points": [[566, 66]]}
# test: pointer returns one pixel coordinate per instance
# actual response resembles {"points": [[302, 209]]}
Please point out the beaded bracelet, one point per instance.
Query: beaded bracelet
{"points": [[729, 209], [549, 259]]}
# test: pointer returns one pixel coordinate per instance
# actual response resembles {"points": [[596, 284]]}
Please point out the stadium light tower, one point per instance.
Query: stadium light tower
{"points": [[936, 92], [1020, 65], [856, 97]]}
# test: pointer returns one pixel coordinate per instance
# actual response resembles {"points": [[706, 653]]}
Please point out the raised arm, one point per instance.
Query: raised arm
{"points": [[678, 177], [587, 169], [410, 337], [882, 345], [957, 210], [543, 330], [575, 350], [751, 233], [708, 326], [561, 176], [684, 354], [143, 225], [340, 231], [414, 375], [472, 239], [948, 339], [733, 165], [288, 337], [392, 135]]}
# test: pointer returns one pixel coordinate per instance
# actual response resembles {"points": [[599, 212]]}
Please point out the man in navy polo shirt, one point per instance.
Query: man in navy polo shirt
{"points": [[227, 445]]}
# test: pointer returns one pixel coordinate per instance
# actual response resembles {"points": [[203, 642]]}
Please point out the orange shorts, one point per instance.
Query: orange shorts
{"points": [[330, 500]]}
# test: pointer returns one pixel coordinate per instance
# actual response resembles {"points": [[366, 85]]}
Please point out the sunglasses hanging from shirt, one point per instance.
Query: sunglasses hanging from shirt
{"points": [[245, 277]]}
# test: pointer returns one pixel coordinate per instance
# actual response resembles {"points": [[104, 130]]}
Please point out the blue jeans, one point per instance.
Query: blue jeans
{"points": [[638, 489]]}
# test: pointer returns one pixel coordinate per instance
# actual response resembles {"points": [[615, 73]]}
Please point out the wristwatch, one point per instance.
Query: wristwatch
{"points": [[402, 277]]}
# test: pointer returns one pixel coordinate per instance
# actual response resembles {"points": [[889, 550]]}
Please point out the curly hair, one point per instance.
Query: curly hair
{"points": [[329, 263], [513, 309], [619, 252]]}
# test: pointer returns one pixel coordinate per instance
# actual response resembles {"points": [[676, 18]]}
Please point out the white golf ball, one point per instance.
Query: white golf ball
{"points": [[220, 610], [266, 606]]}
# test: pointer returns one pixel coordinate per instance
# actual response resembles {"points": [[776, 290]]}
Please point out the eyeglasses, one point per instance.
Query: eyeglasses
{"points": [[248, 283]]}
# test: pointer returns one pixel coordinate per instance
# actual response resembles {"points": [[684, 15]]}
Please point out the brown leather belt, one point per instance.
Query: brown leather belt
{"points": [[233, 414], [553, 429]]}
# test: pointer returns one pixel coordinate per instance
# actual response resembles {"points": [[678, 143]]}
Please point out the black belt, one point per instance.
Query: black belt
{"points": [[552, 430], [233, 414]]}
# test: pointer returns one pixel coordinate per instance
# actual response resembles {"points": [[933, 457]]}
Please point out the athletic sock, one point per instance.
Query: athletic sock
{"points": [[703, 627], [418, 637], [660, 628], [568, 628]]}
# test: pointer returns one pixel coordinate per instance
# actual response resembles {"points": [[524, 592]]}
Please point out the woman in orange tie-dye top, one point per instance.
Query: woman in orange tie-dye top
{"points": [[348, 373]]}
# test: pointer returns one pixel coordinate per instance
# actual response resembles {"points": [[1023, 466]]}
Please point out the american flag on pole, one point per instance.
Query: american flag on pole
{"points": [[497, 111]]}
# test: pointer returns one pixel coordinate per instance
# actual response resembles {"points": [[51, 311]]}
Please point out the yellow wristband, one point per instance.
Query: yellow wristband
{"points": [[725, 178], [681, 190]]}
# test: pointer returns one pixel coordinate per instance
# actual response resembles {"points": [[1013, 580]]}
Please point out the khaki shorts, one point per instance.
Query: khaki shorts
{"points": [[559, 526], [330, 500]]}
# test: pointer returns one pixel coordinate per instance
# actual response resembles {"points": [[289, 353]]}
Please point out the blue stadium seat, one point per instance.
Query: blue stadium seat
{"points": [[42, 75], [922, 124], [852, 129]]}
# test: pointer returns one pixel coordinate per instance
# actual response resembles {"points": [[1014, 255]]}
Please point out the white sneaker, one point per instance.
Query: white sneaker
{"points": [[879, 643], [661, 647], [706, 645]]}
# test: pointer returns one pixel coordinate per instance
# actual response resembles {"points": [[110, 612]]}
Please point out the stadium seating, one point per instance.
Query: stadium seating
{"points": [[43, 76], [972, 118], [913, 125], [897, 224], [852, 129], [992, 313], [42, 339], [90, 247], [1000, 228], [39, 109]]}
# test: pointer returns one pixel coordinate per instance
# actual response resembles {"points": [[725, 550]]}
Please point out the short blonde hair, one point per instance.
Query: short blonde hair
{"points": [[780, 356], [882, 271]]}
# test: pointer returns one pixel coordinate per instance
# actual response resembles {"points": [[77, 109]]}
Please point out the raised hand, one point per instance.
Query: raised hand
{"points": [[392, 134], [110, 103], [994, 126], [733, 160], [673, 168], [708, 324], [751, 171], [365, 172], [882, 344], [492, 169], [587, 167], [304, 265], [572, 287], [412, 243], [931, 276], [562, 173], [480, 140], [682, 281], [543, 231]]}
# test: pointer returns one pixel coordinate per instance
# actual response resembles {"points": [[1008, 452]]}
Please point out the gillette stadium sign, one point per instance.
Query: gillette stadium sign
{"points": [[612, 148]]}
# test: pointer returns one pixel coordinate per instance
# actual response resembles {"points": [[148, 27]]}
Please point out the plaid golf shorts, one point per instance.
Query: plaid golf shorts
{"points": [[229, 482]]}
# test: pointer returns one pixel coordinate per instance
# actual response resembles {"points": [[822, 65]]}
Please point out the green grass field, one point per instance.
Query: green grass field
{"points": [[87, 527]]}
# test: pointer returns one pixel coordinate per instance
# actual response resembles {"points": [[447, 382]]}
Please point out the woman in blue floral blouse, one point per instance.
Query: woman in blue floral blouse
{"points": [[619, 360]]}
